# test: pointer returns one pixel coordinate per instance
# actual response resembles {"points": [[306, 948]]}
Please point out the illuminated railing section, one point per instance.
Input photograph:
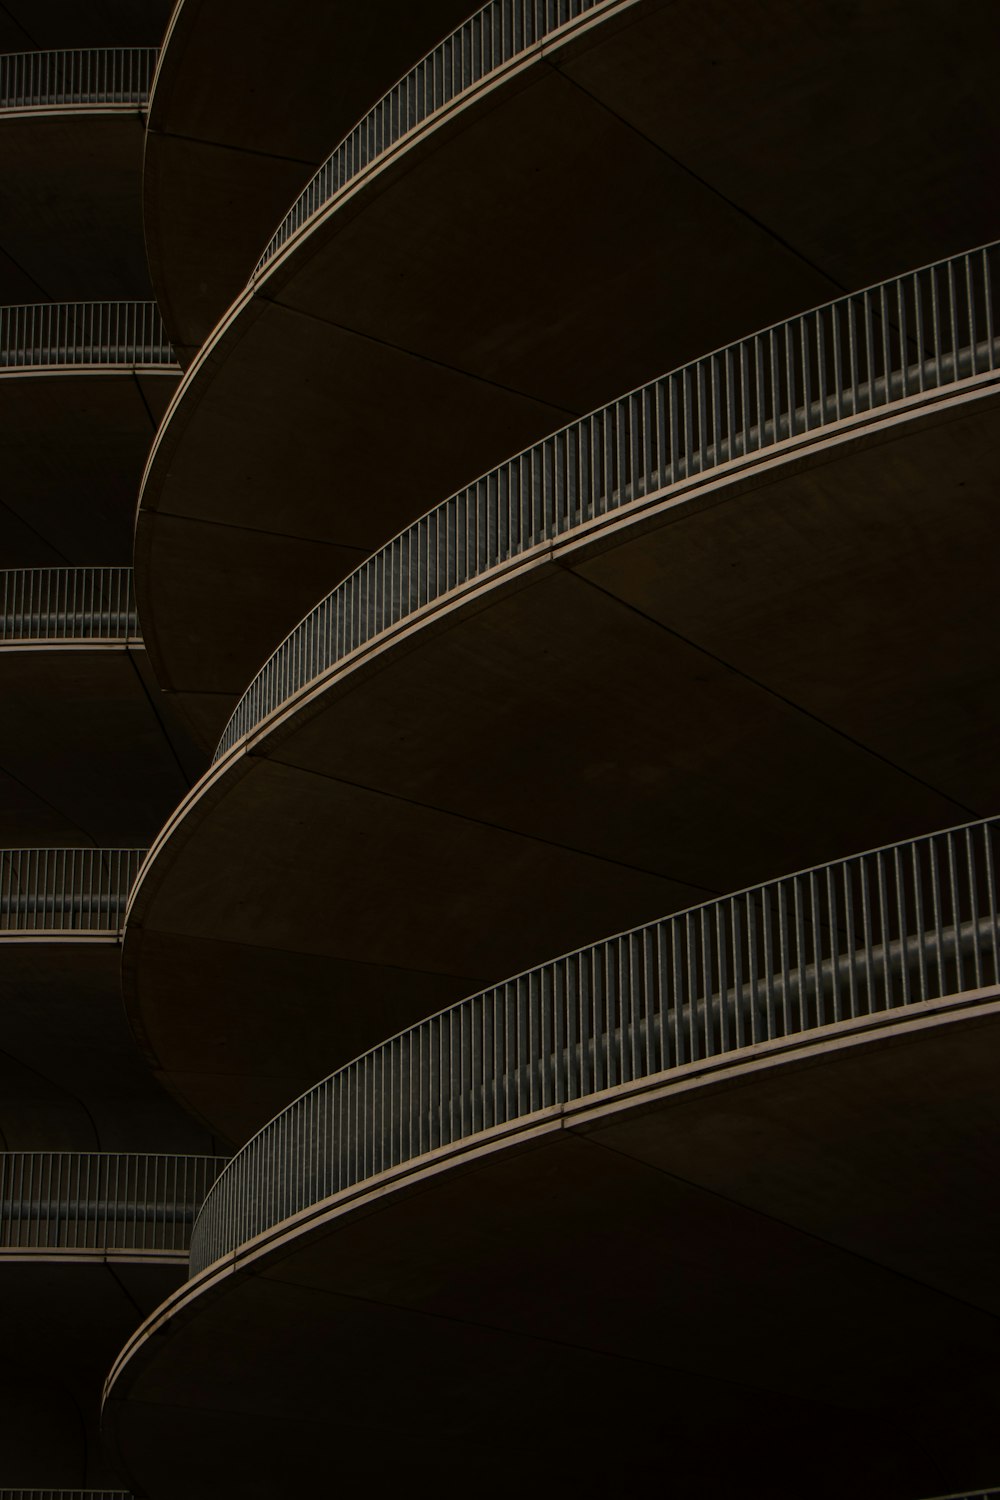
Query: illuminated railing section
{"points": [[898, 342], [67, 604], [874, 935], [496, 36], [101, 1202], [76, 335], [66, 891], [76, 76]]}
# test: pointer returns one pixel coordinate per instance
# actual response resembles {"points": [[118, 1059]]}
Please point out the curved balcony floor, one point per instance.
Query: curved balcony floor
{"points": [[681, 699], [555, 235], [224, 154], [791, 1250]]}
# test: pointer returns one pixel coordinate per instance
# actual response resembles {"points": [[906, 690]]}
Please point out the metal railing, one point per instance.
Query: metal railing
{"points": [[913, 922], [101, 1201], [57, 1494], [66, 890], [76, 75], [68, 335], [494, 37], [67, 604], [918, 333]]}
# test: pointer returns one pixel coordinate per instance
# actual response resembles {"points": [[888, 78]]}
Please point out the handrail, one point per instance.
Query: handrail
{"points": [[67, 604], [76, 76], [891, 928], [889, 343], [66, 890], [101, 1201], [489, 41], [71, 335]]}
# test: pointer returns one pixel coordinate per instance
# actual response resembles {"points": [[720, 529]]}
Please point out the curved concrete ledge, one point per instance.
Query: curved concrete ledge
{"points": [[722, 414], [695, 692], [417, 291], [225, 155], [803, 1233], [771, 966], [104, 1205]]}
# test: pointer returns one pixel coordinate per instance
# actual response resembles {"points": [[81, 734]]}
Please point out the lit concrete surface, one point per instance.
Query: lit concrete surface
{"points": [[72, 449], [675, 177], [89, 751], [775, 1280], [62, 1326], [226, 156], [770, 674], [70, 225]]}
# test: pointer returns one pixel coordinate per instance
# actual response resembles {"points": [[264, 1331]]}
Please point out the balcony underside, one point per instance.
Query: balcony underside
{"points": [[27, 24], [784, 1269], [72, 447], [70, 1078], [69, 206], [88, 751], [735, 685], [62, 1326], [563, 235], [225, 156]]}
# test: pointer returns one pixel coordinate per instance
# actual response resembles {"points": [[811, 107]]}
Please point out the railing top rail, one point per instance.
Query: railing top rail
{"points": [[490, 40], [891, 342], [895, 925]]}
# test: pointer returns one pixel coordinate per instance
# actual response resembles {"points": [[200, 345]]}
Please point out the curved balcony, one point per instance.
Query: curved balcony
{"points": [[71, 893], [84, 384], [72, 131], [225, 156], [676, 619], [779, 389], [412, 311], [734, 1159], [108, 1204], [853, 941]]}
